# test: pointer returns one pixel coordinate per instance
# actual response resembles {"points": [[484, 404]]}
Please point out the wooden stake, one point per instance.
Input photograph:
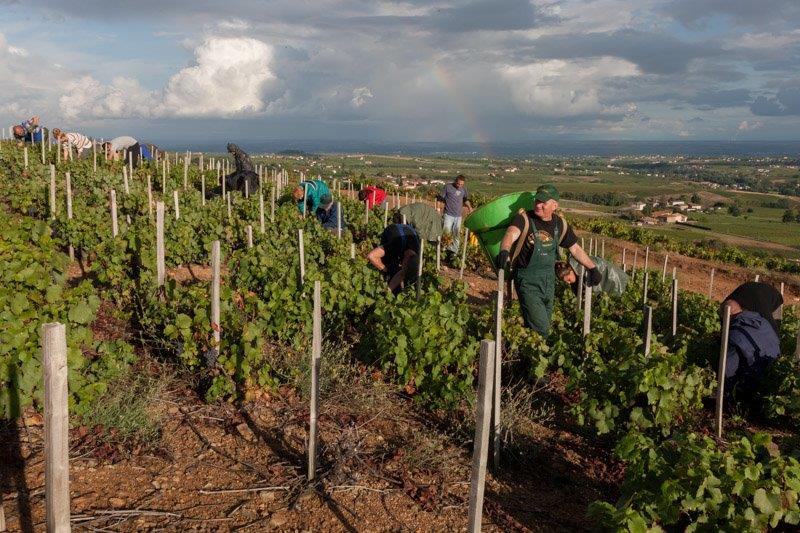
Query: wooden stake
{"points": [[249, 236], [203, 190], [498, 371], [385, 214], [56, 427], [302, 250], [648, 329], [216, 258], [230, 213], [664, 270], [644, 287], [261, 222], [316, 356], [114, 223], [438, 253], [711, 283], [25, 156], [160, 268], [419, 266], [624, 253], [633, 267], [125, 186], [339, 220], [177, 204], [273, 194], [587, 310], [52, 192], [94, 156], [723, 361], [352, 250], [68, 186], [581, 286], [480, 449], [464, 254], [646, 257], [149, 197], [674, 306]]}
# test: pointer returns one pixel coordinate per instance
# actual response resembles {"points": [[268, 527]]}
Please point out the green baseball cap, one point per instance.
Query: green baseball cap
{"points": [[546, 192]]}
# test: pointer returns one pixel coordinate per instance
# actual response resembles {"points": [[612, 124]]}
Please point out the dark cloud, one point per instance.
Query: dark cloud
{"points": [[655, 53], [496, 15], [716, 99], [786, 102], [693, 13]]}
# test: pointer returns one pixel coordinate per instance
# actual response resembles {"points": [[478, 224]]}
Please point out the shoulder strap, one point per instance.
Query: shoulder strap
{"points": [[516, 248], [564, 228]]}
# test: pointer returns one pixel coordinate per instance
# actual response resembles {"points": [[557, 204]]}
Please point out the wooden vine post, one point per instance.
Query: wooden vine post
{"points": [[316, 355], [385, 214], [302, 251], [149, 197], [664, 270], [203, 190], [177, 204], [261, 221], [646, 257], [160, 268], [215, 286], [498, 372], [56, 427], [587, 310], [114, 223], [723, 360], [581, 286], [25, 157], [438, 253], [52, 192], [711, 283], [674, 306], [645, 286], [480, 451], [419, 267], [68, 186], [352, 250], [464, 254], [624, 254], [249, 230], [648, 329]]}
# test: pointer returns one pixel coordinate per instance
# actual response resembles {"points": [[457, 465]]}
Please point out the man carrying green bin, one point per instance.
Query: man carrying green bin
{"points": [[530, 247]]}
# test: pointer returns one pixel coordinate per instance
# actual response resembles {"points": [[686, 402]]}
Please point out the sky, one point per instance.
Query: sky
{"points": [[476, 71]]}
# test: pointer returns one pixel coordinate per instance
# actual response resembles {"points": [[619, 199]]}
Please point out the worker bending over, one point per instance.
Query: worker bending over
{"points": [[613, 279], [397, 255]]}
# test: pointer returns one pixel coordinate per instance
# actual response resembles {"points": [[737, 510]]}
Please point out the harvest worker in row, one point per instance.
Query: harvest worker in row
{"points": [[613, 279], [753, 336], [316, 194], [131, 149], [244, 172], [372, 195], [397, 255], [455, 197], [79, 141], [530, 247], [29, 131]]}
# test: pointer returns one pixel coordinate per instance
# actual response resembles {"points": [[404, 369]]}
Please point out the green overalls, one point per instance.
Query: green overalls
{"points": [[536, 282]]}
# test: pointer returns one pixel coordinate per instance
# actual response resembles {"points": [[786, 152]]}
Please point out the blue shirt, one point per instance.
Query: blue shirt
{"points": [[453, 199]]}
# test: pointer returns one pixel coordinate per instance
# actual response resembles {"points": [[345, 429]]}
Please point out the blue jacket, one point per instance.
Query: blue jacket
{"points": [[317, 193], [752, 346], [328, 217]]}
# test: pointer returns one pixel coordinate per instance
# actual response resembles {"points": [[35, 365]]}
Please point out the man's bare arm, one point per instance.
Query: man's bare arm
{"points": [[375, 257], [581, 256], [511, 235]]}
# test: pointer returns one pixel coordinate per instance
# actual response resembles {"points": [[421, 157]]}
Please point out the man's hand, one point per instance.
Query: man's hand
{"points": [[593, 277], [502, 259]]}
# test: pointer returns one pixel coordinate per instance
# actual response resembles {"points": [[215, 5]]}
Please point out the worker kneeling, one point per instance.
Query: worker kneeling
{"points": [[397, 256], [753, 342]]}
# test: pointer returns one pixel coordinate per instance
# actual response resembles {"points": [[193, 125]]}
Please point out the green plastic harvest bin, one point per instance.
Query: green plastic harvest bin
{"points": [[489, 222]]}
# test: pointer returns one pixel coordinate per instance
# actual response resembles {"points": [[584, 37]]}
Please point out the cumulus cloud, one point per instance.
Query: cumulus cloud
{"points": [[747, 125], [230, 77], [360, 96], [559, 88]]}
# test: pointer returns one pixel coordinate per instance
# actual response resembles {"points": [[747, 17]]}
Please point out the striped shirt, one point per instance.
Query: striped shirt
{"points": [[80, 141]]}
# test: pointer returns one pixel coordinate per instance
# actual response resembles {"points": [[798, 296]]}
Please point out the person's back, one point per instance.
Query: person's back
{"points": [[396, 239], [372, 195], [316, 193], [122, 143], [241, 159], [328, 216], [757, 297], [752, 346]]}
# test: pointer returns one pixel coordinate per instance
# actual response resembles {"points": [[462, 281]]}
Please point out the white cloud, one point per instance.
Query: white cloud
{"points": [[559, 88], [231, 77], [360, 96], [749, 126]]}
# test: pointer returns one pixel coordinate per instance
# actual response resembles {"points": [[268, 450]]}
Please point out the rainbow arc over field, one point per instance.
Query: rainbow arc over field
{"points": [[448, 83]]}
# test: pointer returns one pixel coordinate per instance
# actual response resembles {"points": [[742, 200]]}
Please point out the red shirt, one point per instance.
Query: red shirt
{"points": [[375, 196]]}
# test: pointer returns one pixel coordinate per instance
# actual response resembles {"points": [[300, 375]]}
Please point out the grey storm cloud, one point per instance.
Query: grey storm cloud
{"points": [[742, 12], [488, 15], [655, 53], [716, 99], [786, 102]]}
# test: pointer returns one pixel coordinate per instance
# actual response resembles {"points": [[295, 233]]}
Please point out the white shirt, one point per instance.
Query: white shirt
{"points": [[80, 141], [122, 143]]}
